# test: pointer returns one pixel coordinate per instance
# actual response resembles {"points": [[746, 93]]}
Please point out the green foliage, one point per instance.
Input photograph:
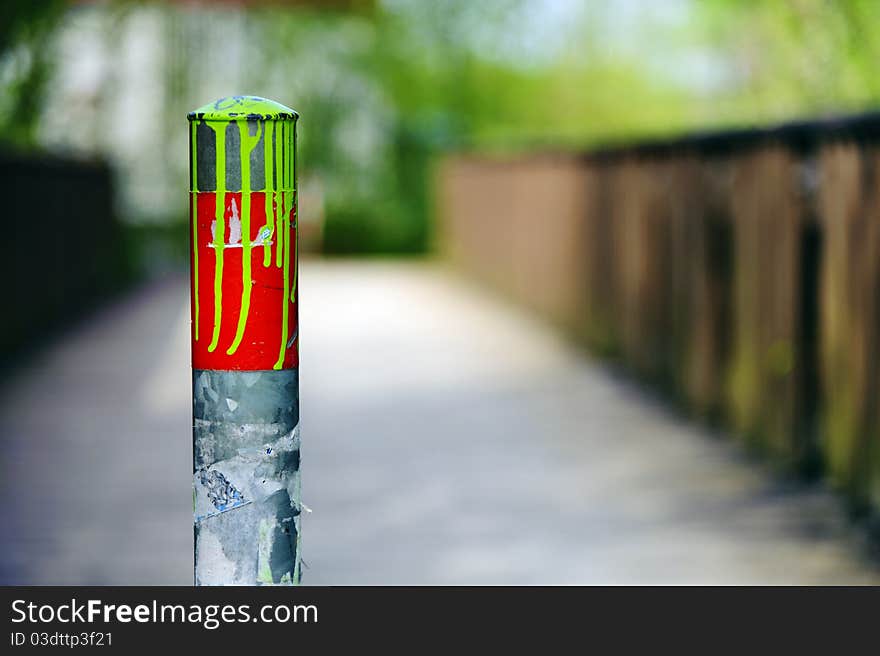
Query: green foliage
{"points": [[442, 83], [25, 65], [382, 90], [779, 60]]}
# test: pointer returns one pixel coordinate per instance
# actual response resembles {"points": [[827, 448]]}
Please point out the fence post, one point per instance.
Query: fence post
{"points": [[245, 351]]}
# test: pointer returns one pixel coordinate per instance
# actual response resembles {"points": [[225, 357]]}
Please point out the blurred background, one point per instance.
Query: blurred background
{"points": [[589, 289]]}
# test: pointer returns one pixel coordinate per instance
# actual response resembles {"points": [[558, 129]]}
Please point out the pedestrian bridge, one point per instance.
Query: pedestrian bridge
{"points": [[448, 438]]}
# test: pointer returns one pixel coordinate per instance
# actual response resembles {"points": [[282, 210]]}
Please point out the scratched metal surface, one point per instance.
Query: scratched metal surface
{"points": [[447, 437], [246, 479]]}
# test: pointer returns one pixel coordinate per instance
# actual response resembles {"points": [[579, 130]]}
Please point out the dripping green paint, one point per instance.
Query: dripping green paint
{"points": [[279, 143]]}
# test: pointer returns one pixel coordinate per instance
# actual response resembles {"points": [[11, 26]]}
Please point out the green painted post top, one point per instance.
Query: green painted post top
{"points": [[242, 143], [237, 108]]}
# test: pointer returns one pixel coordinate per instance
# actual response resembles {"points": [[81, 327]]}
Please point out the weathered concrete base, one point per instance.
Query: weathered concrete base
{"points": [[246, 486]]}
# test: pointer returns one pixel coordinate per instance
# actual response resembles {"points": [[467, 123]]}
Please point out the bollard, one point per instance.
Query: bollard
{"points": [[245, 351]]}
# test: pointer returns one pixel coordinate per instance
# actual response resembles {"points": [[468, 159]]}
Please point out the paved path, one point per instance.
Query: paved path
{"points": [[447, 438]]}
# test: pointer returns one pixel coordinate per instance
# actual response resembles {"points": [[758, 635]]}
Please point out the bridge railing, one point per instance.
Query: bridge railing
{"points": [[738, 271], [63, 246]]}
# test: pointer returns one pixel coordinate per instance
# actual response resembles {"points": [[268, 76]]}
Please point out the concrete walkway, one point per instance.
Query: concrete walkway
{"points": [[447, 438]]}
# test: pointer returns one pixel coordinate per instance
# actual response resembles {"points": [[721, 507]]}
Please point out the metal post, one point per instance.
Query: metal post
{"points": [[245, 352]]}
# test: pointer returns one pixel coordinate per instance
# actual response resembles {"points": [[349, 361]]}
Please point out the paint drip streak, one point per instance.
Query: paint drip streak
{"points": [[194, 200], [279, 168], [248, 143], [278, 140], [295, 217], [284, 226], [290, 159], [220, 230], [268, 145], [295, 250]]}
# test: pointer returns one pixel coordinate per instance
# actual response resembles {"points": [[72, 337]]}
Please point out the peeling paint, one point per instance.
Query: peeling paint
{"points": [[246, 464]]}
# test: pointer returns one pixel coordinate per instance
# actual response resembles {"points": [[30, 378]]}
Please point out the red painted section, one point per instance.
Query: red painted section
{"points": [[261, 342]]}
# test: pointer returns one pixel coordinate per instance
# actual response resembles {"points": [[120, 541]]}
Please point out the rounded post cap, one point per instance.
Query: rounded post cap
{"points": [[237, 108]]}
